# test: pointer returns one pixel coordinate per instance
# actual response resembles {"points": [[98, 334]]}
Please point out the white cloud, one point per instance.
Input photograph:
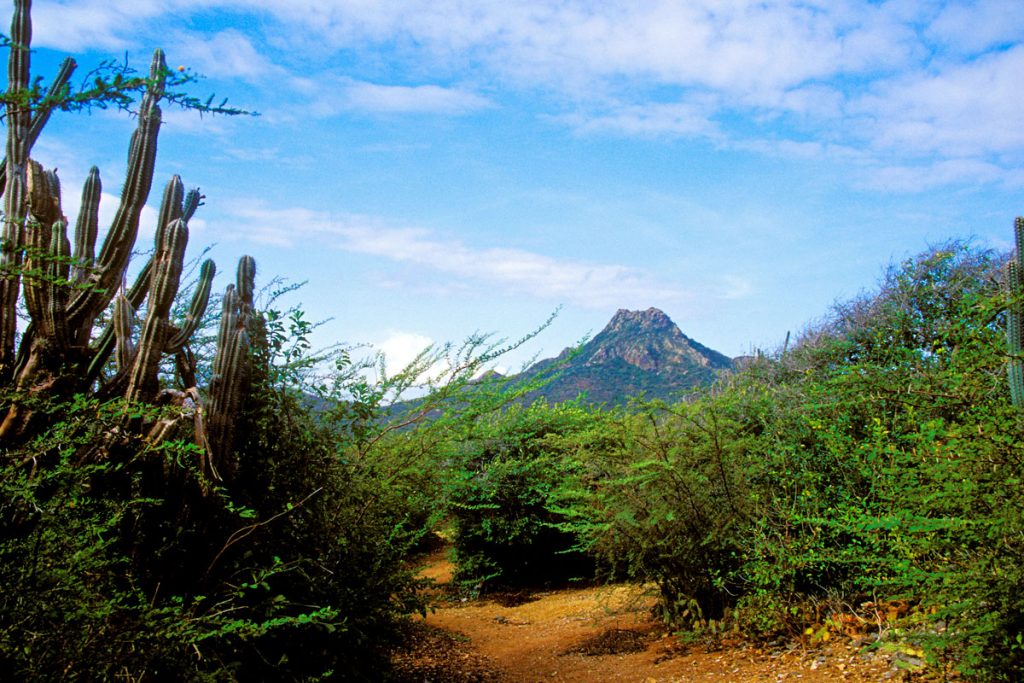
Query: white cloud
{"points": [[903, 81], [86, 25], [514, 270], [596, 285], [397, 99], [735, 287], [676, 119], [974, 26], [226, 54], [401, 348], [959, 110], [941, 173]]}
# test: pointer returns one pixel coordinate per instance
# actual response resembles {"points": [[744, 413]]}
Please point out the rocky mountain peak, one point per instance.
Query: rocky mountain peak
{"points": [[637, 352], [651, 319], [649, 340]]}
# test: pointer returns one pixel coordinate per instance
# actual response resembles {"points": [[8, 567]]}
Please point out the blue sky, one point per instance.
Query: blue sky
{"points": [[443, 167]]}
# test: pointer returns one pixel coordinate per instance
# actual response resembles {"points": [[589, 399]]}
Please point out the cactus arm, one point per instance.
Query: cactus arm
{"points": [[170, 206], [122, 322], [230, 378], [48, 258], [106, 343], [196, 310], [57, 285], [226, 391], [117, 247], [87, 227], [43, 212], [193, 200], [167, 266], [228, 318], [185, 366], [17, 150], [42, 114], [245, 279]]}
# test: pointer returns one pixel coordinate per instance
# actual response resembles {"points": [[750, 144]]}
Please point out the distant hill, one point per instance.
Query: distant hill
{"points": [[638, 351]]}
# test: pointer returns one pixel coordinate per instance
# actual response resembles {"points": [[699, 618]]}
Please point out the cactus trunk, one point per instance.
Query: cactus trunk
{"points": [[1015, 318]]}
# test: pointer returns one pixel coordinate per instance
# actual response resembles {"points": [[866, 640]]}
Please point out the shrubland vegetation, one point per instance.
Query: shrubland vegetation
{"points": [[153, 526]]}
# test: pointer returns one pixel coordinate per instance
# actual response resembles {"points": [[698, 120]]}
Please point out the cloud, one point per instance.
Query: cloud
{"points": [[735, 286], [517, 271], [956, 110], [991, 23], [397, 99], [656, 119], [75, 26], [743, 47], [916, 178], [227, 54], [904, 82], [401, 348]]}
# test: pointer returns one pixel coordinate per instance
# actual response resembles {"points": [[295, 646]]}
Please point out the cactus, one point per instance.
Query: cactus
{"points": [[167, 264], [122, 323], [229, 382], [66, 291], [113, 258], [1015, 318], [200, 299], [17, 149]]}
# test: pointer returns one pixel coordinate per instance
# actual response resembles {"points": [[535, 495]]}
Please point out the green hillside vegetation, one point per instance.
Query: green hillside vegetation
{"points": [[175, 515]]}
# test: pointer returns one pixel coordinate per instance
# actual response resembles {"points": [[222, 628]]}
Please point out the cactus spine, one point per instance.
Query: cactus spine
{"points": [[1015, 317]]}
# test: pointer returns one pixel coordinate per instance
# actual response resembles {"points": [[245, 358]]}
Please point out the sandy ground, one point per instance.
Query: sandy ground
{"points": [[597, 634]]}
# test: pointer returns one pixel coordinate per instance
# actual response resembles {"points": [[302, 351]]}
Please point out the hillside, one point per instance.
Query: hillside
{"points": [[637, 352]]}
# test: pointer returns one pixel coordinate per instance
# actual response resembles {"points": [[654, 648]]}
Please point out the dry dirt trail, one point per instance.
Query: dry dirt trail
{"points": [[597, 634]]}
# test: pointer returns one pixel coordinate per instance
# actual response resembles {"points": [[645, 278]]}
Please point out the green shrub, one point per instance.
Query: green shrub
{"points": [[668, 501], [126, 561], [877, 460], [500, 488]]}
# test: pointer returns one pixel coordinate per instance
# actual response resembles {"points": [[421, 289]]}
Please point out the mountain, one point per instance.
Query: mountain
{"points": [[637, 352]]}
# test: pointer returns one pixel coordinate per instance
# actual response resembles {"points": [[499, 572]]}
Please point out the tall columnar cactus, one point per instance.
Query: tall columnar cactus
{"points": [[1015, 317], [229, 382], [66, 288], [18, 117]]}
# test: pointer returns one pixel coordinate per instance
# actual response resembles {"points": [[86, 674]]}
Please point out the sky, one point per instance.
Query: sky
{"points": [[431, 169]]}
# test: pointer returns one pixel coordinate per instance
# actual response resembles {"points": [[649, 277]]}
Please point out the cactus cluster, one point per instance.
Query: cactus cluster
{"points": [[1015, 317], [66, 287]]}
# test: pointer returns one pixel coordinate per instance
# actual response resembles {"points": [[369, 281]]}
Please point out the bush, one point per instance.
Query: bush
{"points": [[502, 477], [668, 500], [878, 460], [126, 561]]}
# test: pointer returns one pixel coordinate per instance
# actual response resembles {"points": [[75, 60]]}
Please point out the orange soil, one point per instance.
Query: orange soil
{"points": [[541, 639]]}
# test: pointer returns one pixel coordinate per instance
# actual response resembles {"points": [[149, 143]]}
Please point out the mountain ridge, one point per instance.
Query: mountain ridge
{"points": [[637, 352]]}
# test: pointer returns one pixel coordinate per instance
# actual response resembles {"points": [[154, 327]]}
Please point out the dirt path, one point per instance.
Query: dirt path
{"points": [[597, 634]]}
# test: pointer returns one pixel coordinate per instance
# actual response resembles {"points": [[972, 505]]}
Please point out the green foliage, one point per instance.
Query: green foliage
{"points": [[298, 570], [667, 499], [502, 476], [877, 460], [98, 579]]}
